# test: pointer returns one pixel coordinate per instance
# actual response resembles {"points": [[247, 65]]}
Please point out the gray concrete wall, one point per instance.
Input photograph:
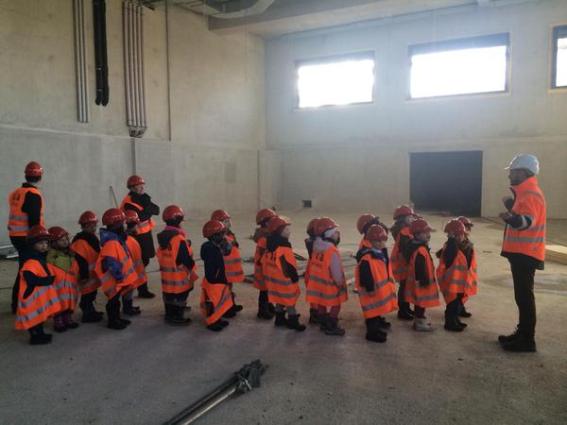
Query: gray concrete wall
{"points": [[358, 156], [203, 157]]}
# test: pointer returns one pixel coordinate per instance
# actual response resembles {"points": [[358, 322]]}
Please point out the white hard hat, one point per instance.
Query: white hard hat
{"points": [[525, 162]]}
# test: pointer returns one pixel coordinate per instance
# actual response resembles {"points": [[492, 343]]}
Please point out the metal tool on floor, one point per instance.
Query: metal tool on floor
{"points": [[246, 379]]}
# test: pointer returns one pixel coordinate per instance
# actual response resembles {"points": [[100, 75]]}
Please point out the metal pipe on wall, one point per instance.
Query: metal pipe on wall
{"points": [[80, 61]]}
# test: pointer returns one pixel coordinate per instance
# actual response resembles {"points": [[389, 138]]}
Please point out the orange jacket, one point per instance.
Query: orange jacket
{"points": [[321, 287], [422, 296], [529, 201], [281, 289], [18, 219], [383, 299], [175, 278]]}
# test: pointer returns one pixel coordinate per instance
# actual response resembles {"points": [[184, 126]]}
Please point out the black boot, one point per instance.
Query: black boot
{"points": [[113, 314], [462, 324], [38, 336], [144, 292], [333, 327], [463, 312], [373, 331], [293, 323], [264, 311], [405, 312], [216, 327], [280, 321], [323, 322], [314, 316], [235, 307], [451, 323], [505, 339], [521, 344], [130, 309], [180, 315]]}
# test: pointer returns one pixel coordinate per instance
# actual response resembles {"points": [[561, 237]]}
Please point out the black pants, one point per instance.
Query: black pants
{"points": [[179, 300], [113, 309], [87, 302], [402, 304], [23, 249], [523, 275], [453, 309]]}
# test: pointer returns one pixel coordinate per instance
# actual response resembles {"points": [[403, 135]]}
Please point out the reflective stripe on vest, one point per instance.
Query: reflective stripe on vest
{"points": [[529, 201], [17, 219], [144, 226], [321, 287], [110, 286], [383, 299], [216, 300], [281, 290]]}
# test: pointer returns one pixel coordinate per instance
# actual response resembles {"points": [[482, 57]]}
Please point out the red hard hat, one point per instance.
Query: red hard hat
{"points": [[220, 215], [403, 210], [113, 216], [134, 181], [277, 223], [311, 226], [419, 226], [264, 215], [88, 217], [455, 227], [324, 224], [376, 233], [212, 227], [33, 169], [172, 212], [466, 221], [363, 221], [132, 217], [56, 233], [38, 233]]}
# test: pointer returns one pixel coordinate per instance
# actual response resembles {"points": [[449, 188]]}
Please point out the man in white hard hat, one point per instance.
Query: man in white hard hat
{"points": [[524, 246]]}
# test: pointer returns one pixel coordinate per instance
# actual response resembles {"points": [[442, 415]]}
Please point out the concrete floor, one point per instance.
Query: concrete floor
{"points": [[147, 373]]}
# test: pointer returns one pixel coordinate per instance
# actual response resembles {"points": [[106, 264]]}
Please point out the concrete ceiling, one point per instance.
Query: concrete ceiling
{"points": [[288, 16]]}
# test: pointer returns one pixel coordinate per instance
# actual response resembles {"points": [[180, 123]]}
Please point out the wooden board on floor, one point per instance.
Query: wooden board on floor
{"points": [[556, 254]]}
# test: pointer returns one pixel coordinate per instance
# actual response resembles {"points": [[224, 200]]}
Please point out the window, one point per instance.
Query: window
{"points": [[340, 80], [456, 67], [559, 70]]}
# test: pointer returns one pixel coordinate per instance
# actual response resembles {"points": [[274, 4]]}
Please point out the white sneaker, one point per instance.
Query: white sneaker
{"points": [[422, 325]]}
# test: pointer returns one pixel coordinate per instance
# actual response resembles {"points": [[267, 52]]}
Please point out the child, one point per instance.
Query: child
{"points": [[375, 284], [313, 308], [421, 285], [403, 215], [37, 297], [280, 272], [326, 286], [265, 308], [232, 262], [216, 298], [135, 251], [453, 274], [86, 248], [66, 271], [363, 224], [468, 249], [114, 266], [177, 267]]}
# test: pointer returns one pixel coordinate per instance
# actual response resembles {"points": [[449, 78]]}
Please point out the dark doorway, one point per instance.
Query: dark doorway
{"points": [[447, 181]]}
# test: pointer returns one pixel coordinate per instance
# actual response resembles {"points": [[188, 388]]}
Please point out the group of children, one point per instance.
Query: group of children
{"points": [[61, 274]]}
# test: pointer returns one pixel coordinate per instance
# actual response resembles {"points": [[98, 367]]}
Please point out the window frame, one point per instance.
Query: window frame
{"points": [[341, 57], [489, 40], [557, 32]]}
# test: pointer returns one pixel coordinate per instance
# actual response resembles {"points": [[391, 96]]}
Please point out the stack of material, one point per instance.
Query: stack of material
{"points": [[556, 253]]}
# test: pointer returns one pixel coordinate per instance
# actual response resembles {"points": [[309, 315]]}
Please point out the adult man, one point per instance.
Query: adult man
{"points": [[26, 211], [524, 246], [140, 202]]}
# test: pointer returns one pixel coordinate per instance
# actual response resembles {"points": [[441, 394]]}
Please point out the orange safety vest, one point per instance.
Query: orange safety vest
{"points": [[110, 286], [233, 263], [321, 288], [528, 200], [455, 279], [41, 304], [136, 254], [400, 266], [175, 278], [383, 299], [281, 290], [144, 226], [422, 296], [216, 300], [18, 219], [473, 276], [66, 285], [259, 282], [82, 248]]}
